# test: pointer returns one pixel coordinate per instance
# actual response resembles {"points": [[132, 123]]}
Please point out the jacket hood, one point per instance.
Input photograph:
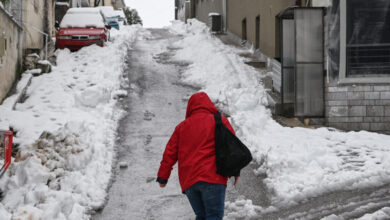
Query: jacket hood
{"points": [[200, 101]]}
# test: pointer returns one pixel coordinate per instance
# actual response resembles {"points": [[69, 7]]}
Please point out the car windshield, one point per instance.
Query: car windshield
{"points": [[82, 20]]}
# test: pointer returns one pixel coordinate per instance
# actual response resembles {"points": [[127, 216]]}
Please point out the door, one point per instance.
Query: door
{"points": [[309, 62]]}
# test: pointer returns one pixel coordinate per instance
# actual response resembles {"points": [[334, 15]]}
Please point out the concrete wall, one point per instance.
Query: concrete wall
{"points": [[102, 3], [39, 17], [358, 107], [250, 9], [204, 7], [11, 60]]}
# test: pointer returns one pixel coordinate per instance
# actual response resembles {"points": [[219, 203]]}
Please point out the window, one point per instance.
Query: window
{"points": [[364, 41], [368, 37], [257, 32], [244, 36]]}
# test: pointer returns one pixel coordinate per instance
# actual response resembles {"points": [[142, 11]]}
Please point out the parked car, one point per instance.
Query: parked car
{"points": [[111, 18], [122, 17], [82, 27]]}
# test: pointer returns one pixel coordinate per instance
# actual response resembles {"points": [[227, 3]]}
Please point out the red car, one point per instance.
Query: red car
{"points": [[81, 27]]}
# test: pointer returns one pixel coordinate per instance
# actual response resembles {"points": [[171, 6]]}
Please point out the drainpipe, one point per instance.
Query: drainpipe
{"points": [[41, 32], [307, 3]]}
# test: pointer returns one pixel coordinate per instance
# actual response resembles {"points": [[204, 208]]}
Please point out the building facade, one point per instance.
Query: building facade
{"points": [[254, 22], [39, 25], [95, 3], [352, 69], [358, 73], [11, 51]]}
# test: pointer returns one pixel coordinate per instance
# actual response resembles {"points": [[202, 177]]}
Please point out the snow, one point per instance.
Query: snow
{"points": [[66, 130], [322, 3], [243, 209], [298, 162], [120, 13], [44, 62], [83, 11], [213, 14], [82, 20], [62, 3], [10, 101], [107, 11], [381, 214]]}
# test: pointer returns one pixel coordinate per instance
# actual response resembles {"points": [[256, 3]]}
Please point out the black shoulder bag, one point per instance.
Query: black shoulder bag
{"points": [[231, 154]]}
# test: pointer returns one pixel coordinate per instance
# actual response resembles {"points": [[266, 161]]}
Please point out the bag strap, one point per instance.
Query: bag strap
{"points": [[217, 118]]}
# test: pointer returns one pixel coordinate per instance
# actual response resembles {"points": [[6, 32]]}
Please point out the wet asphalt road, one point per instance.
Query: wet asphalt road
{"points": [[155, 105]]}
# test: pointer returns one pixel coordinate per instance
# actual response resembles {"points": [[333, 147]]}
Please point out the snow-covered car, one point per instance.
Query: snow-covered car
{"points": [[82, 27], [110, 16]]}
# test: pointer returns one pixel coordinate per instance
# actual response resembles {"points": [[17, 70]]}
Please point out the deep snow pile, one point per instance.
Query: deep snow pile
{"points": [[66, 132], [298, 162]]}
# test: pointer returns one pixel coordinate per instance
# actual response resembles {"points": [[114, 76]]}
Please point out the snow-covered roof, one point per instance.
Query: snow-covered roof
{"points": [[107, 11], [213, 14], [83, 11], [82, 20], [63, 3], [120, 13]]}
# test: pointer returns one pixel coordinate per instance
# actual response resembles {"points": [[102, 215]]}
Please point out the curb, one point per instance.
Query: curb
{"points": [[21, 90]]}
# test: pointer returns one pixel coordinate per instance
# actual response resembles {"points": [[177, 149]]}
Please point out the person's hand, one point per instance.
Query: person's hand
{"points": [[162, 185], [236, 180]]}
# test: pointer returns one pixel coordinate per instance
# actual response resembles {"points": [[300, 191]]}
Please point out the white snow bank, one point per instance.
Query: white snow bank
{"points": [[322, 3], [298, 162], [244, 209], [83, 11], [381, 214], [107, 11], [119, 13], [66, 130]]}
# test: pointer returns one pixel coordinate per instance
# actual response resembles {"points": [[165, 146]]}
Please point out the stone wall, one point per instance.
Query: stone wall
{"points": [[358, 107]]}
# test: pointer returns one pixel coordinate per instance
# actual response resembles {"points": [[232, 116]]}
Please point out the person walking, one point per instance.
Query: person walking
{"points": [[192, 145]]}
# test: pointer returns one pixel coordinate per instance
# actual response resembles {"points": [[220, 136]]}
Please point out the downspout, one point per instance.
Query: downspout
{"points": [[307, 3]]}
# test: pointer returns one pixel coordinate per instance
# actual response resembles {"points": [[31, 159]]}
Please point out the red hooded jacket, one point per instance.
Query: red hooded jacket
{"points": [[192, 145]]}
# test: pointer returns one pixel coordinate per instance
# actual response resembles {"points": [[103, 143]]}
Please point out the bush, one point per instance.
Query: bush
{"points": [[132, 16]]}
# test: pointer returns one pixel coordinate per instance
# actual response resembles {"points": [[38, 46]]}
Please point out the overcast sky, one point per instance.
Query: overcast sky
{"points": [[154, 13]]}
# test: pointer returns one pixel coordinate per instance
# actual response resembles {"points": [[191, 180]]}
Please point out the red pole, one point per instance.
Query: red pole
{"points": [[7, 140]]}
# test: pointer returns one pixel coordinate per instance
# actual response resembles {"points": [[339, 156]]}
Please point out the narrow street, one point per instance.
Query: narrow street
{"points": [[156, 103], [91, 91]]}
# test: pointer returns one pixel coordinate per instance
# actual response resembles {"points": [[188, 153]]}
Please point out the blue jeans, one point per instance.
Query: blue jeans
{"points": [[207, 200]]}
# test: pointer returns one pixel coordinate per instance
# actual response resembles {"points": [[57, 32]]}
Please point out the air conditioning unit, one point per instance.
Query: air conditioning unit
{"points": [[215, 20]]}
